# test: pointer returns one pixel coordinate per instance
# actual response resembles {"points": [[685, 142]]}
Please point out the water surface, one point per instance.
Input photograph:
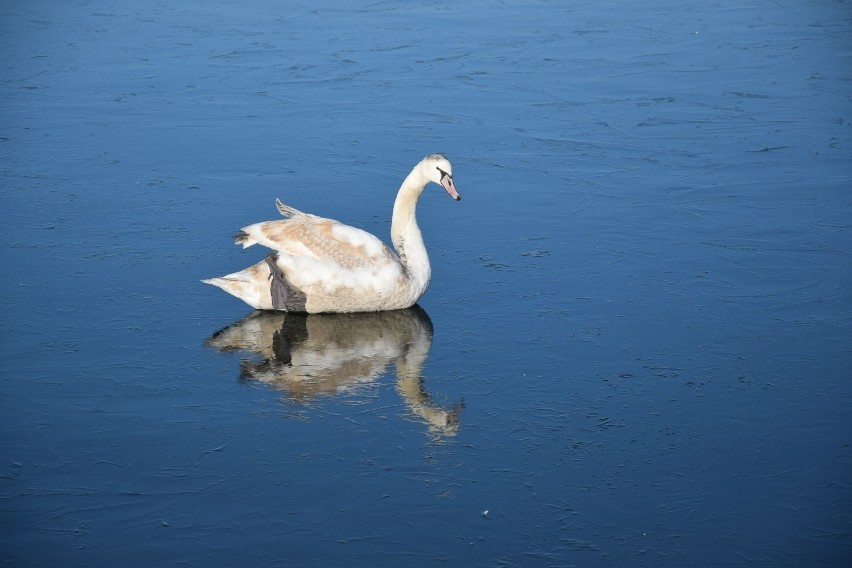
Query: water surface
{"points": [[635, 350]]}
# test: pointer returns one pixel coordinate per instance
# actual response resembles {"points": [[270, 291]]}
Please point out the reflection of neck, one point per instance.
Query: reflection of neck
{"points": [[405, 233], [409, 384]]}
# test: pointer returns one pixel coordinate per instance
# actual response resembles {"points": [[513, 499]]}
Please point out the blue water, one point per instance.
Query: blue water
{"points": [[635, 349]]}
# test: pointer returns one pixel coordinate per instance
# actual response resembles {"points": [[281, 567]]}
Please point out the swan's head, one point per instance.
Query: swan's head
{"points": [[438, 169]]}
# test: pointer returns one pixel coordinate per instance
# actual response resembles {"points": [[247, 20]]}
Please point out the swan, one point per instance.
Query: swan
{"points": [[321, 265]]}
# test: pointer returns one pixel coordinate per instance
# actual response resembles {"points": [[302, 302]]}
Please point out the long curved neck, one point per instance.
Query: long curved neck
{"points": [[405, 233]]}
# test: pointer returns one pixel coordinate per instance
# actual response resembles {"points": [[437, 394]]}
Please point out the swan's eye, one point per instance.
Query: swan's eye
{"points": [[443, 173]]}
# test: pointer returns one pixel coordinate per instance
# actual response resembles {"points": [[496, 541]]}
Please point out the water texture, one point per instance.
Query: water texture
{"points": [[635, 349]]}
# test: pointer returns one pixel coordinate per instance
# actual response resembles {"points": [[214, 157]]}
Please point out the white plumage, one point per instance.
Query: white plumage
{"points": [[322, 265]]}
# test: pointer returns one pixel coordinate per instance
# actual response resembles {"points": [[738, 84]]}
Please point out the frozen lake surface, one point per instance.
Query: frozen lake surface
{"points": [[635, 350]]}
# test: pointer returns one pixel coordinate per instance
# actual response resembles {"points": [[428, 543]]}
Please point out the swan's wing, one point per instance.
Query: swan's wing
{"points": [[314, 251], [324, 240]]}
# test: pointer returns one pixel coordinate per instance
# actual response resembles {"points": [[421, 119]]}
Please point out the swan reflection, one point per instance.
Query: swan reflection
{"points": [[308, 355]]}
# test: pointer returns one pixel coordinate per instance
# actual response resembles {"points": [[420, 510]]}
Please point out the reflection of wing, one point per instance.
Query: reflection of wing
{"points": [[325, 354]]}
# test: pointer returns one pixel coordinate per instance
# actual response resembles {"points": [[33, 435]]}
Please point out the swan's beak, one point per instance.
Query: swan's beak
{"points": [[447, 182]]}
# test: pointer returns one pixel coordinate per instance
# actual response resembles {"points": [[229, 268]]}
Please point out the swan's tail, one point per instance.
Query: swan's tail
{"points": [[250, 285]]}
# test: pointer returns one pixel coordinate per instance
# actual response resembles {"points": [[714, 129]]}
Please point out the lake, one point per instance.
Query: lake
{"points": [[635, 349]]}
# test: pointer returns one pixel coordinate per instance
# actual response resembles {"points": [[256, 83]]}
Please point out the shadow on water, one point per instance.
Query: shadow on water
{"points": [[311, 355]]}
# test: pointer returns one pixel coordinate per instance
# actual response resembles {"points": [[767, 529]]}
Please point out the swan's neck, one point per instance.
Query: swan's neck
{"points": [[405, 233]]}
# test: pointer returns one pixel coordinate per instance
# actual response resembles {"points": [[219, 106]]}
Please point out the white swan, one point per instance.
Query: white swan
{"points": [[321, 265]]}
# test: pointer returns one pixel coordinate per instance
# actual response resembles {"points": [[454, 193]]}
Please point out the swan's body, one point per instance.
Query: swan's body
{"points": [[321, 265]]}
